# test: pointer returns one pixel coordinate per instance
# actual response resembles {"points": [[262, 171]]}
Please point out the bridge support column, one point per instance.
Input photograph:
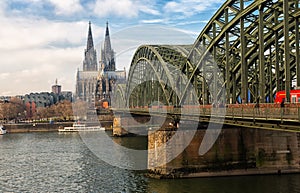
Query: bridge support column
{"points": [[117, 127], [237, 151], [157, 158]]}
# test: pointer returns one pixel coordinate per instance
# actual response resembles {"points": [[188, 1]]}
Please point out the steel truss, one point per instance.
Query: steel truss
{"points": [[254, 44]]}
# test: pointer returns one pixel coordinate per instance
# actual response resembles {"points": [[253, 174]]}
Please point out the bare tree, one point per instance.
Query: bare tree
{"points": [[12, 110], [80, 109], [64, 110]]}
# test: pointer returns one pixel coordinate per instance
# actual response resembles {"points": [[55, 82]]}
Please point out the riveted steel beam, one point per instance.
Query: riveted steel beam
{"points": [[255, 45]]}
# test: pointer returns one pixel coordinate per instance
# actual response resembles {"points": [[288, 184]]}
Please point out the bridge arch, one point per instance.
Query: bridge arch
{"points": [[154, 75], [118, 96], [255, 44]]}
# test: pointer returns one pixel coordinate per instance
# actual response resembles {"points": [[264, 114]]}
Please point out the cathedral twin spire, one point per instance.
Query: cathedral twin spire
{"points": [[107, 54], [90, 54]]}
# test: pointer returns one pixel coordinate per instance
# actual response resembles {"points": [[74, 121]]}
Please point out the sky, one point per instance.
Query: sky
{"points": [[44, 40]]}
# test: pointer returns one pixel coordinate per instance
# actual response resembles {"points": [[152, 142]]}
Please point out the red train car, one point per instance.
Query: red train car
{"points": [[294, 96]]}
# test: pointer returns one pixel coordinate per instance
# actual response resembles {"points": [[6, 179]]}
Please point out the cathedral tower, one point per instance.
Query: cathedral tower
{"points": [[108, 76], [90, 54], [87, 78], [107, 53]]}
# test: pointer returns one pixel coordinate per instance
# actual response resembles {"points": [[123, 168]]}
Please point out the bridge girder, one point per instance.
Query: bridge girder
{"points": [[255, 44], [154, 73], [118, 96]]}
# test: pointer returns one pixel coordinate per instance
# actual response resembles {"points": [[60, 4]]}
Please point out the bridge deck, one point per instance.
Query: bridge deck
{"points": [[265, 117]]}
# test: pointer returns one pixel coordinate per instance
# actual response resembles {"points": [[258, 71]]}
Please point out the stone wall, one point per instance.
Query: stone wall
{"points": [[238, 151], [35, 127]]}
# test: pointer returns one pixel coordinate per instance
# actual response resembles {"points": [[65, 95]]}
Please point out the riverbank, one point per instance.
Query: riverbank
{"points": [[36, 127], [228, 173]]}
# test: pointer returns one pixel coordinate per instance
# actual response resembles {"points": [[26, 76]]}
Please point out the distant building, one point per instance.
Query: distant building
{"points": [[33, 101], [43, 99], [66, 95], [5, 98], [56, 89], [46, 99]]}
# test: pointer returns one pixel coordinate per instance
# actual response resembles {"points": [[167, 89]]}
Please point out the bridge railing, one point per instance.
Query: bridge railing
{"points": [[262, 111], [266, 112]]}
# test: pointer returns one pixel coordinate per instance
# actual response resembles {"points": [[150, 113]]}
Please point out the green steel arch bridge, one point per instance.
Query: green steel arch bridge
{"points": [[247, 52]]}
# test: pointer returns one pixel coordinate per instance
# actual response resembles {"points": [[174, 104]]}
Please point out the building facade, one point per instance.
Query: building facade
{"points": [[56, 89], [108, 76], [95, 84], [87, 78]]}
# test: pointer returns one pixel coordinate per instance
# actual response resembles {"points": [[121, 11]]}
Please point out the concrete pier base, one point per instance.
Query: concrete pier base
{"points": [[118, 131], [238, 151]]}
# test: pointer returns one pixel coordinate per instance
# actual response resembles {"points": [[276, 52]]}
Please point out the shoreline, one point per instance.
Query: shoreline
{"points": [[231, 173], [35, 127]]}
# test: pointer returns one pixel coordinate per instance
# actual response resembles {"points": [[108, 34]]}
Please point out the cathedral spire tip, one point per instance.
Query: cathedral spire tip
{"points": [[107, 30], [90, 43]]}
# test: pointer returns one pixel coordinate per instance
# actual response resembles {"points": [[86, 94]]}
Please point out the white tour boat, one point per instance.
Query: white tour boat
{"points": [[2, 130], [78, 127]]}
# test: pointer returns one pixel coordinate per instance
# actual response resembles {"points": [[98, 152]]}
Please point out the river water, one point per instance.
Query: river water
{"points": [[53, 162]]}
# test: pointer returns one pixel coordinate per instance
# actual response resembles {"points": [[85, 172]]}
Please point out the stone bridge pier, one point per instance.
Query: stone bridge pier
{"points": [[237, 151]]}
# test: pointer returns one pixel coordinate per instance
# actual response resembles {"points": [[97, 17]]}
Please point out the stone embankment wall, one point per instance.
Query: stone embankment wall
{"points": [[35, 127], [106, 120], [238, 151]]}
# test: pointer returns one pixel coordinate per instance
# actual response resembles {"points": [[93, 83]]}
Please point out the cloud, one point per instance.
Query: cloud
{"points": [[35, 52], [43, 7], [124, 8], [32, 70], [153, 21], [26, 34], [42, 40], [67, 7], [190, 7]]}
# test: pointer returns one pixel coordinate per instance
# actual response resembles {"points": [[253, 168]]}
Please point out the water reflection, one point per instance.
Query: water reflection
{"points": [[242, 184], [51, 162]]}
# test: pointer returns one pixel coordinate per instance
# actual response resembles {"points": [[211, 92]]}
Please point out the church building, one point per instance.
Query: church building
{"points": [[95, 84], [108, 76]]}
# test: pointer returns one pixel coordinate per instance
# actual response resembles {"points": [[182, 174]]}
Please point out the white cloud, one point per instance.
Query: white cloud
{"points": [[124, 8], [32, 70], [61, 7], [2, 7], [66, 7], [35, 52], [23, 33], [190, 7], [25, 71], [153, 21], [126, 41]]}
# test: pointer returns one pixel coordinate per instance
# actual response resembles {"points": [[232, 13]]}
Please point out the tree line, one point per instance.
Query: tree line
{"points": [[16, 111]]}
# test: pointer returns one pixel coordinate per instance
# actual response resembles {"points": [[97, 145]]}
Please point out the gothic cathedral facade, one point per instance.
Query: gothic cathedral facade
{"points": [[95, 82]]}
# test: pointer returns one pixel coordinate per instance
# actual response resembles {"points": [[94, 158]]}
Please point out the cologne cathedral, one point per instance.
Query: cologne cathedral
{"points": [[96, 81]]}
